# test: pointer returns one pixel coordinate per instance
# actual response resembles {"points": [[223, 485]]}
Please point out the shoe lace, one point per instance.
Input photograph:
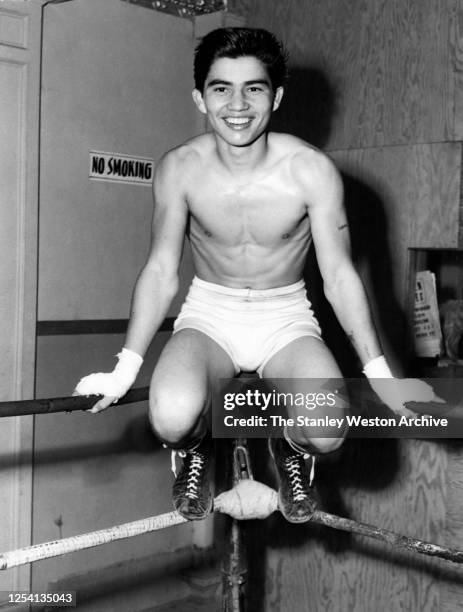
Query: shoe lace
{"points": [[194, 475], [179, 453], [194, 471], [293, 466]]}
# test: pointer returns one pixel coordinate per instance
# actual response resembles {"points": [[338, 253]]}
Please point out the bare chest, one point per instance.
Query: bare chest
{"points": [[260, 211]]}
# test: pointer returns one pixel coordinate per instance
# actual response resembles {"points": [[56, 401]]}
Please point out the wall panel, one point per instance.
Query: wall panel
{"points": [[418, 187], [456, 42], [19, 105], [389, 87], [109, 86]]}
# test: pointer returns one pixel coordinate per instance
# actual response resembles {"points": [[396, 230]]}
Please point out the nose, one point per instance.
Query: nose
{"points": [[237, 101]]}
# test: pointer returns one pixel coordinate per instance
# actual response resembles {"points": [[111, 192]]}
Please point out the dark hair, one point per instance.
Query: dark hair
{"points": [[240, 42]]}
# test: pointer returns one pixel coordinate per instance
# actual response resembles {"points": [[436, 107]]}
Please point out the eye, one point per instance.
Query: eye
{"points": [[255, 89], [220, 89]]}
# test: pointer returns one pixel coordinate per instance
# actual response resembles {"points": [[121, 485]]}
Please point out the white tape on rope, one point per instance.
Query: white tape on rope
{"points": [[88, 540], [248, 499]]}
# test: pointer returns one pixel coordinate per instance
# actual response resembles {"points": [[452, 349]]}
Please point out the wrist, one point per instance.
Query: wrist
{"points": [[129, 363], [377, 368]]}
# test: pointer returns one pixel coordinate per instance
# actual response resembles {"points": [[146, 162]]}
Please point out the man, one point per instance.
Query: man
{"points": [[253, 202]]}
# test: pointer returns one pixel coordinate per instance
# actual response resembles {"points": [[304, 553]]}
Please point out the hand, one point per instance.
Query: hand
{"points": [[101, 405], [100, 384], [112, 385], [395, 392]]}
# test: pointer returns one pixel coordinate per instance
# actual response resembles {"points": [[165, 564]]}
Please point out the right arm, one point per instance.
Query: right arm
{"points": [[155, 288], [157, 284]]}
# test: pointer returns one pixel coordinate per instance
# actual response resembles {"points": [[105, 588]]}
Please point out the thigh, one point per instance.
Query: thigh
{"points": [[306, 357], [190, 366], [306, 368]]}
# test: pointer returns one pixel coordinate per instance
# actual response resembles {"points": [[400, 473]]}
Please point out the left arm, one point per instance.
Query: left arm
{"points": [[323, 192], [342, 284]]}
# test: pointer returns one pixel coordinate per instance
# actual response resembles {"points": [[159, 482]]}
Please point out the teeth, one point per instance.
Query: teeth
{"points": [[237, 120]]}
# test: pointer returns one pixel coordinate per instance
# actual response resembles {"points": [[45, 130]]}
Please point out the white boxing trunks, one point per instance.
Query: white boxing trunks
{"points": [[251, 325]]}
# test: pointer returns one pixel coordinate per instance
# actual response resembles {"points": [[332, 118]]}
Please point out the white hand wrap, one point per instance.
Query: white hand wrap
{"points": [[377, 371], [377, 368], [402, 390], [115, 383]]}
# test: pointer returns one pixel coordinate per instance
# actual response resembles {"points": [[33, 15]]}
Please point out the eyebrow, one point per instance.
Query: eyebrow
{"points": [[215, 82]]}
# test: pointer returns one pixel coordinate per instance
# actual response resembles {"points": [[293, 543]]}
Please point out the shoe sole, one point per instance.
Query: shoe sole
{"points": [[196, 517]]}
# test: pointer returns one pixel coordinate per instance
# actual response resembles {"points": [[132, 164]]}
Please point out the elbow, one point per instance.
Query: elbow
{"points": [[331, 291], [169, 282], [332, 287], [163, 277], [172, 286], [339, 284]]}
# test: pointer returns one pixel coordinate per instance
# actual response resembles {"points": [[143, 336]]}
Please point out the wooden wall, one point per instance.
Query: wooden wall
{"points": [[378, 85], [396, 66]]}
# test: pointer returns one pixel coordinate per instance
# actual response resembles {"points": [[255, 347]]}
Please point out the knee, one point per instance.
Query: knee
{"points": [[313, 444], [173, 415], [325, 445]]}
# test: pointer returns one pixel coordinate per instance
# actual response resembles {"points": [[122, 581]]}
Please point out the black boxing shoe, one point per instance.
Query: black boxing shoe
{"points": [[296, 496], [191, 493]]}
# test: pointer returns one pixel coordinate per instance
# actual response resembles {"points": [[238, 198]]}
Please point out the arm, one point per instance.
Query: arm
{"points": [[342, 285], [157, 283], [155, 288], [322, 188]]}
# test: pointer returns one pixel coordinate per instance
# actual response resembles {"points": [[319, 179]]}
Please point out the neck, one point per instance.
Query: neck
{"points": [[243, 159]]}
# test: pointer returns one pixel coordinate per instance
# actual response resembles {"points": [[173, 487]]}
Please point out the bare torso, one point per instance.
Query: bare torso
{"points": [[250, 228]]}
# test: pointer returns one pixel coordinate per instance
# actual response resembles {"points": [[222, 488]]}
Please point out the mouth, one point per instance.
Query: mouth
{"points": [[238, 123]]}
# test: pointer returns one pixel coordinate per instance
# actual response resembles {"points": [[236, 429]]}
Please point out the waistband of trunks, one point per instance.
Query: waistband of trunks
{"points": [[248, 292]]}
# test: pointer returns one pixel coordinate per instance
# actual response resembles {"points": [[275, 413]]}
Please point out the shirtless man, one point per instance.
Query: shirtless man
{"points": [[254, 202]]}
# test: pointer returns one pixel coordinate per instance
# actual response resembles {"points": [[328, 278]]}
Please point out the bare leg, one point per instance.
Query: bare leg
{"points": [[308, 358], [187, 371], [304, 358]]}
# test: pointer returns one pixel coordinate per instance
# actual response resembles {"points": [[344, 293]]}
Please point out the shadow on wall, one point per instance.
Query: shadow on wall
{"points": [[136, 438], [309, 106]]}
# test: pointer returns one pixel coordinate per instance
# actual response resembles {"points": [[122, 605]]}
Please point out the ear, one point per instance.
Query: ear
{"points": [[277, 97], [198, 100]]}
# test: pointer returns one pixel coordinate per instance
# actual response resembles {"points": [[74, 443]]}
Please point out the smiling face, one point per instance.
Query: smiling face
{"points": [[238, 99]]}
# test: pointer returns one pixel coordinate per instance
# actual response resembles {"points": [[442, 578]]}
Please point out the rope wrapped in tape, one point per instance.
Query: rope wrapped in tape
{"points": [[88, 540], [248, 499]]}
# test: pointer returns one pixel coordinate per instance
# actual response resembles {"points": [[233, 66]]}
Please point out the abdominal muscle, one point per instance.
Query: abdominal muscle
{"points": [[249, 265]]}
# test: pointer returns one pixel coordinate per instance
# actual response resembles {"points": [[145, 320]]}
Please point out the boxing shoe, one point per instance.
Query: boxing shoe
{"points": [[191, 493], [296, 496]]}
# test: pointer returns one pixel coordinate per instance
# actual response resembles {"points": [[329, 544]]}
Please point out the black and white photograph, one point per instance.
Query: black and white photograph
{"points": [[231, 305]]}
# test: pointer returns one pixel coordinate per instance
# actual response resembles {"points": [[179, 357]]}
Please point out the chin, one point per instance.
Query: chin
{"points": [[240, 140]]}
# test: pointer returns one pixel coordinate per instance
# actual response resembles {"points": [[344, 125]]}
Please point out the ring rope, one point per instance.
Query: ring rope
{"points": [[248, 499], [65, 404], [56, 548]]}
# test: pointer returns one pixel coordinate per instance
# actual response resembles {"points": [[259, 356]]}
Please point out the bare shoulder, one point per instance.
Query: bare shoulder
{"points": [[178, 163], [311, 169]]}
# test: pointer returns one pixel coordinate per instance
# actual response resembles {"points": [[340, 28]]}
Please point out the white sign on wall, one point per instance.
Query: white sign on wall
{"points": [[120, 168], [427, 329]]}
